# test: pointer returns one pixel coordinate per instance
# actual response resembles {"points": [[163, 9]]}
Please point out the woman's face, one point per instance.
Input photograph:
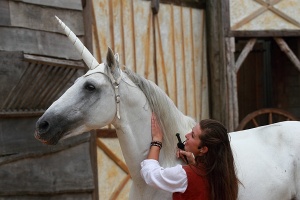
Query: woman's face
{"points": [[193, 140]]}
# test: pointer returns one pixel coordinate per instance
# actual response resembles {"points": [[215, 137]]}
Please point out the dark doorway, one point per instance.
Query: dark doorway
{"points": [[267, 78]]}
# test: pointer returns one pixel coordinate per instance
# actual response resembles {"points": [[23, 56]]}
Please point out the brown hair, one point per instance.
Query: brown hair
{"points": [[218, 161]]}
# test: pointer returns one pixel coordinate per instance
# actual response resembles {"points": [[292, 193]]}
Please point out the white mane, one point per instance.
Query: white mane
{"points": [[171, 119]]}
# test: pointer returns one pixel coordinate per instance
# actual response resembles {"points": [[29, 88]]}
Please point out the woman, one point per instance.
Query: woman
{"points": [[210, 174]]}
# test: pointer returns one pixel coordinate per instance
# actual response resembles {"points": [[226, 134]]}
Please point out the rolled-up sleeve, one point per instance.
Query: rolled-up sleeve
{"points": [[171, 179]]}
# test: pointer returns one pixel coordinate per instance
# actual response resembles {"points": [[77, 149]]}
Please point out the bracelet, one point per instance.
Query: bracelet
{"points": [[156, 143]]}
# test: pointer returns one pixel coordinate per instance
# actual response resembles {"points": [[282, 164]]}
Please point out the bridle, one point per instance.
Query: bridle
{"points": [[103, 69]]}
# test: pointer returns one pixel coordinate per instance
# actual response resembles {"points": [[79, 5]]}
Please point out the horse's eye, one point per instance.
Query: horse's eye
{"points": [[89, 87]]}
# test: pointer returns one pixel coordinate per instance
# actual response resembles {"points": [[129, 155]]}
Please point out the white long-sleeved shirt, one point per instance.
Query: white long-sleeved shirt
{"points": [[171, 179]]}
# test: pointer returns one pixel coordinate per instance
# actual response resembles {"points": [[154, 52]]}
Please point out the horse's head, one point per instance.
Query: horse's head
{"points": [[79, 108]]}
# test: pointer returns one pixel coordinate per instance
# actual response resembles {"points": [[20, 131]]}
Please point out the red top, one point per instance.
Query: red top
{"points": [[198, 186]]}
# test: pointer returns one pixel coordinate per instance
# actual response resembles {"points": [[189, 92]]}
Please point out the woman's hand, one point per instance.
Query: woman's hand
{"points": [[157, 137], [156, 131], [189, 155]]}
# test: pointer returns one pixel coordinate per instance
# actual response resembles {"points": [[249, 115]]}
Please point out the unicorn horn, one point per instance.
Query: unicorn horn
{"points": [[88, 58]]}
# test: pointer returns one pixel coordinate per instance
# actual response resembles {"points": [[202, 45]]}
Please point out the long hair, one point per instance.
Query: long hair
{"points": [[218, 161]]}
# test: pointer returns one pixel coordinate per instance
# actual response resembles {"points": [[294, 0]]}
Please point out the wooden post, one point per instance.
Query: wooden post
{"points": [[88, 20], [233, 113], [216, 61], [232, 69]]}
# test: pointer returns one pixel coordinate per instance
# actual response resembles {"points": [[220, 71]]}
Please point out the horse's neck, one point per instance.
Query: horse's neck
{"points": [[134, 129]]}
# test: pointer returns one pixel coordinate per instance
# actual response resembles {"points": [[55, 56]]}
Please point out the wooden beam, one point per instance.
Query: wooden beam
{"points": [[112, 156], [244, 54], [68, 4], [264, 33], [53, 61], [200, 4], [270, 6], [255, 14], [118, 190], [286, 49], [249, 18]]}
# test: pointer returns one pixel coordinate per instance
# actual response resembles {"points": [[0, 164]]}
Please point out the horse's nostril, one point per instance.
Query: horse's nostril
{"points": [[43, 126]]}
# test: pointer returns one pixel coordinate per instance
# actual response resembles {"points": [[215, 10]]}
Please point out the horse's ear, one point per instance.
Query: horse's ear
{"points": [[110, 59]]}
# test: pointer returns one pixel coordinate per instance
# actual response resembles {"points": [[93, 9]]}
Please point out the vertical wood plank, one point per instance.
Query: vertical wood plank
{"points": [[178, 59], [129, 51], [205, 104], [188, 62], [102, 20], [141, 19], [198, 36], [174, 56]]}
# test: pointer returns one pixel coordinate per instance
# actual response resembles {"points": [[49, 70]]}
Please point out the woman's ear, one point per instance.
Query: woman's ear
{"points": [[203, 149]]}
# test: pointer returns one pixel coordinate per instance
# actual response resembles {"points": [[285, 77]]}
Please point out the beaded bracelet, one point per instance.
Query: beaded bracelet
{"points": [[156, 143]]}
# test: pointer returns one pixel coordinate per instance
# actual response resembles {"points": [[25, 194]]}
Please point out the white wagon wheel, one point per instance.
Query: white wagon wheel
{"points": [[263, 117]]}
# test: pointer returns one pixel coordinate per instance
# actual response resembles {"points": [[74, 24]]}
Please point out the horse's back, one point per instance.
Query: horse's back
{"points": [[268, 161]]}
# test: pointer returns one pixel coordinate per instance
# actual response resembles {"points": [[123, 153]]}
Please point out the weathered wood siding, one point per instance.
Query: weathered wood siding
{"points": [[175, 57], [37, 64], [168, 48], [28, 167], [113, 175], [33, 29]]}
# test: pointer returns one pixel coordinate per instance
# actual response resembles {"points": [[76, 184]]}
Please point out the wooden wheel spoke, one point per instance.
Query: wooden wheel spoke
{"points": [[255, 122], [270, 118]]}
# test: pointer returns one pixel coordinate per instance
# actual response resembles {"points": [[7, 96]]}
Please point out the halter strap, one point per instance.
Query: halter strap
{"points": [[115, 83]]}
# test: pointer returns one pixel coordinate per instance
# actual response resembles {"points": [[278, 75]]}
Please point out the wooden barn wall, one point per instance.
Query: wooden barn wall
{"points": [[33, 29], [168, 48], [175, 60], [28, 168], [252, 21]]}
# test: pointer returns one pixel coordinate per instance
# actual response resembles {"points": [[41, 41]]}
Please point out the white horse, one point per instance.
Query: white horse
{"points": [[267, 158]]}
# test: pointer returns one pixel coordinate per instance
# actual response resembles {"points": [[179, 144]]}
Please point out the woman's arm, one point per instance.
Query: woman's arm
{"points": [[157, 137], [173, 179]]}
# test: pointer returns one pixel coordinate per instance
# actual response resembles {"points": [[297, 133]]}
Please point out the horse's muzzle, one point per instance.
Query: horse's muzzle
{"points": [[44, 134]]}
